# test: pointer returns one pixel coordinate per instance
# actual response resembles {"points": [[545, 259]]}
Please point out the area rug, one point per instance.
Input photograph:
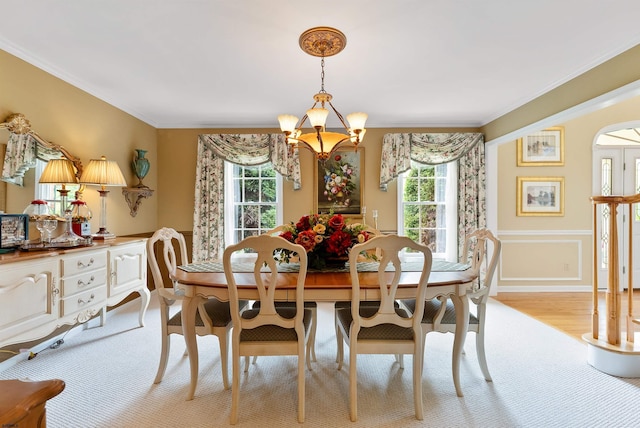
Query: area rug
{"points": [[540, 379]]}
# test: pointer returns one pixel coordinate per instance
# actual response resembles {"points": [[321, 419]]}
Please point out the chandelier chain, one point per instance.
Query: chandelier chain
{"points": [[322, 91]]}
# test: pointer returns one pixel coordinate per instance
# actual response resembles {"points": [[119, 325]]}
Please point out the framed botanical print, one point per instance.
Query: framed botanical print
{"points": [[540, 196], [339, 184], [543, 148]]}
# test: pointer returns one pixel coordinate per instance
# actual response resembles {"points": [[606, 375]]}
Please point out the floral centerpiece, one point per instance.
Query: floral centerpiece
{"points": [[326, 237]]}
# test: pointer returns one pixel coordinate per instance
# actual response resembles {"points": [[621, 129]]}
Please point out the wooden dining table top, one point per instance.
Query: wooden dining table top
{"points": [[323, 282]]}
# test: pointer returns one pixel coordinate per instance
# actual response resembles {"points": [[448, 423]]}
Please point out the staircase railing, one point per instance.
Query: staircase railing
{"points": [[613, 294]]}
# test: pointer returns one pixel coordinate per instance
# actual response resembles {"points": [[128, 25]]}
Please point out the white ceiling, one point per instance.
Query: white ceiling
{"points": [[217, 63]]}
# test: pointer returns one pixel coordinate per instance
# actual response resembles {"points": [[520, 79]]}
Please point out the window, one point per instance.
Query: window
{"points": [[427, 207], [253, 196]]}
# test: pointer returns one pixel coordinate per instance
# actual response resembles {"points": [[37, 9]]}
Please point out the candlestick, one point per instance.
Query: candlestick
{"points": [[364, 216], [375, 218]]}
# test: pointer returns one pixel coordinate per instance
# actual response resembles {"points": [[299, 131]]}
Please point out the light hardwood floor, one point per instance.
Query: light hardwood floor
{"points": [[568, 312]]}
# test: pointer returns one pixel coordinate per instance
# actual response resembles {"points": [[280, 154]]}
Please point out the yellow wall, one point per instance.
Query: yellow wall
{"points": [[88, 128], [177, 150]]}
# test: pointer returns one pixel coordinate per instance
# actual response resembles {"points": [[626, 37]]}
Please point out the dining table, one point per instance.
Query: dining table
{"points": [[206, 280]]}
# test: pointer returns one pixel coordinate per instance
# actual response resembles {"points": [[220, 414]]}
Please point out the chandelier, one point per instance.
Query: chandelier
{"points": [[322, 42]]}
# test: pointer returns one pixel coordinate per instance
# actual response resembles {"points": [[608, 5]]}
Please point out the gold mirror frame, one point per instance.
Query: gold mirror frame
{"points": [[17, 123]]}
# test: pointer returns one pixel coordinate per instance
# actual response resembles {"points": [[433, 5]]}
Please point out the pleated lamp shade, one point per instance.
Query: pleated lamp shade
{"points": [[59, 171], [103, 172]]}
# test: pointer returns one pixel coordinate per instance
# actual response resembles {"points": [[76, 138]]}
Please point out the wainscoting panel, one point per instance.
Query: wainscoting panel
{"points": [[541, 260]]}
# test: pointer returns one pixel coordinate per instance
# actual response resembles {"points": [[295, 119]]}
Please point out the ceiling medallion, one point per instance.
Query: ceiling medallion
{"points": [[323, 41]]}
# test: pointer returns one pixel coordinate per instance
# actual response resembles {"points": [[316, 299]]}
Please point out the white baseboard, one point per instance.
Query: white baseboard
{"points": [[545, 289]]}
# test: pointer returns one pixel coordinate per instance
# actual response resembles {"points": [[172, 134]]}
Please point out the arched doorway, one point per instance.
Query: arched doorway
{"points": [[616, 171]]}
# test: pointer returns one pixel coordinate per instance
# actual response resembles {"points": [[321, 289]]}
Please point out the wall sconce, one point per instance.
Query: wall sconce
{"points": [[102, 172], [60, 171]]}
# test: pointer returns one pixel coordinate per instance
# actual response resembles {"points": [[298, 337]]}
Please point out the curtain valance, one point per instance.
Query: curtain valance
{"points": [[256, 149], [19, 157], [428, 148]]}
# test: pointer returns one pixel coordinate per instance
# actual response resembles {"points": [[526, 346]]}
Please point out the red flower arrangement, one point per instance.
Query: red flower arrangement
{"points": [[324, 236]]}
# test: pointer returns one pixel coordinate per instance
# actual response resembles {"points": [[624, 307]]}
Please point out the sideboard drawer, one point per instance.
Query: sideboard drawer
{"points": [[85, 300], [84, 262], [84, 281]]}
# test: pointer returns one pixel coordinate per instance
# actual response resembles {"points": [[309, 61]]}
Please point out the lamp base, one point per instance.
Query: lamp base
{"points": [[102, 234]]}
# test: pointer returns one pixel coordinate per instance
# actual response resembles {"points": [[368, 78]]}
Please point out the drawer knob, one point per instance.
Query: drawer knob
{"points": [[83, 266]]}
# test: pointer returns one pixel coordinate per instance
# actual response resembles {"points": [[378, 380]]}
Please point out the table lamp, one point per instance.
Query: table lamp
{"points": [[102, 172], [60, 171]]}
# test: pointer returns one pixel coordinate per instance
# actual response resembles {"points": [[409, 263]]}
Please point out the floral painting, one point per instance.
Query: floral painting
{"points": [[339, 185]]}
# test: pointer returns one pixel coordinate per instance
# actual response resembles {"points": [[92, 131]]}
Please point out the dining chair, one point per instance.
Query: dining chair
{"points": [[439, 314], [385, 328], [213, 316], [268, 330], [347, 303], [313, 306]]}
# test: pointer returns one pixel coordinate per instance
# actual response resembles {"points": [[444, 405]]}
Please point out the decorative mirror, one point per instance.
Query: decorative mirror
{"points": [[25, 146], [19, 153]]}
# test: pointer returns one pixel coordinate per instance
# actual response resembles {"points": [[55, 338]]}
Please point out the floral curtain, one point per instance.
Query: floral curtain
{"points": [[436, 148], [241, 149], [20, 155]]}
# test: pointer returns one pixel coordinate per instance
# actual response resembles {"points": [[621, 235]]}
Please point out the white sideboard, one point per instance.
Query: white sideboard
{"points": [[41, 291]]}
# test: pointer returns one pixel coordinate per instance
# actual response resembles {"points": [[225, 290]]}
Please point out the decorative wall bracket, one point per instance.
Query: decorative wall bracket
{"points": [[134, 196]]}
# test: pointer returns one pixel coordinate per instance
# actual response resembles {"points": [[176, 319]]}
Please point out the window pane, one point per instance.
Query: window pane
{"points": [[411, 190], [251, 217], [411, 216], [427, 190], [267, 217], [269, 190], [251, 190], [428, 238]]}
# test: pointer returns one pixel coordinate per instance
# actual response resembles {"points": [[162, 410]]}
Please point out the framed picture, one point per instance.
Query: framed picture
{"points": [[544, 148], [540, 196], [339, 185]]}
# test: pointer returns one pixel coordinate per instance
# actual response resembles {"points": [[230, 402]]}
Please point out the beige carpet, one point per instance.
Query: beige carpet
{"points": [[541, 379]]}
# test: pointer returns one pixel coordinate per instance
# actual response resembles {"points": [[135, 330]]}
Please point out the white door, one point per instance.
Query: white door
{"points": [[617, 172]]}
